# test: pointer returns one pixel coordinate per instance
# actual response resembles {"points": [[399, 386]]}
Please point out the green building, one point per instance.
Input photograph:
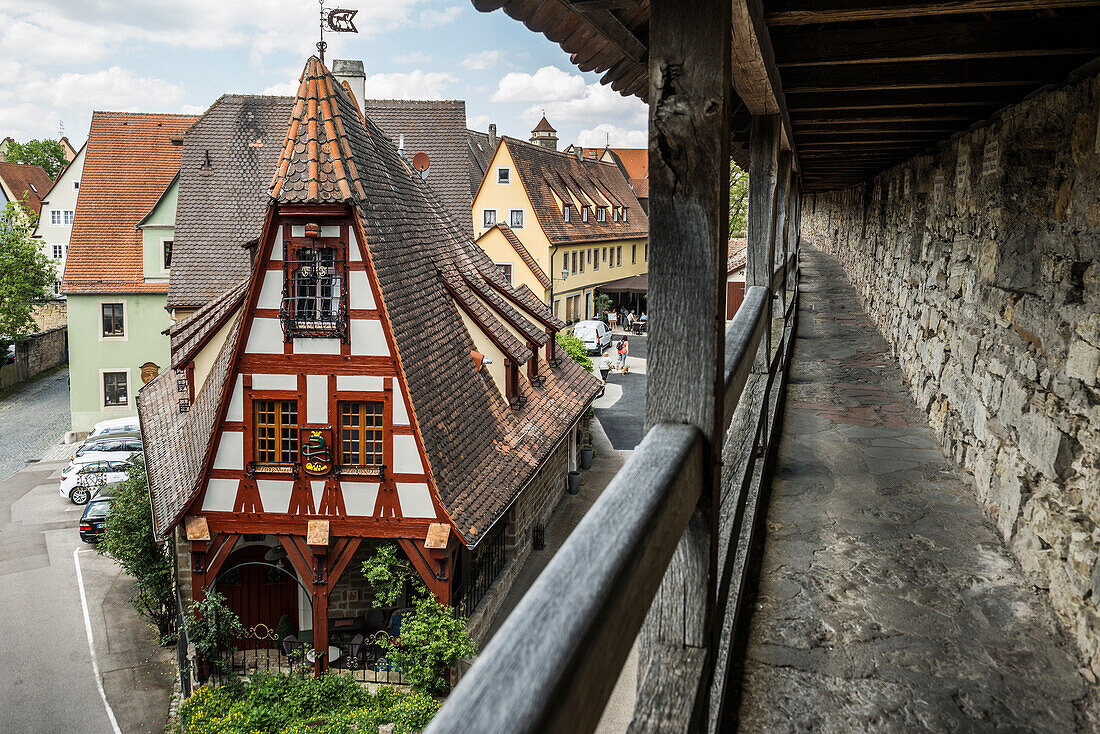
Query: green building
{"points": [[116, 274]]}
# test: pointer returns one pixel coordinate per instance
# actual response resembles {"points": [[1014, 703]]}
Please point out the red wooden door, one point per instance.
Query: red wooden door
{"points": [[258, 595], [735, 294]]}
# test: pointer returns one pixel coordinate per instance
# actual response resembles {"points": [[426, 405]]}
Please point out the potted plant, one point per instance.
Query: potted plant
{"points": [[574, 485]]}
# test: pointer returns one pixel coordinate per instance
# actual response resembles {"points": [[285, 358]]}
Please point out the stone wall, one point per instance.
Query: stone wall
{"points": [[51, 314], [979, 263], [36, 354]]}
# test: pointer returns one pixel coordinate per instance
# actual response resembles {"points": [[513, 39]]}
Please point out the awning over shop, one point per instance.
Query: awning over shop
{"points": [[633, 284]]}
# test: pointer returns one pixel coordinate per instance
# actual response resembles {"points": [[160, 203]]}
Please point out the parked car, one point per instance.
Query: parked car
{"points": [[128, 442], [116, 425], [94, 520], [79, 482], [595, 335]]}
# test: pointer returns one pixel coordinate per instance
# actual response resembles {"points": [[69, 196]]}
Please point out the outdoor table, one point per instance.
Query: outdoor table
{"points": [[333, 654]]}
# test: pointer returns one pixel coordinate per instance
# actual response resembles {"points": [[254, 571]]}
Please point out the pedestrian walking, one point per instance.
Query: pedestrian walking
{"points": [[623, 348], [605, 365], [629, 320]]}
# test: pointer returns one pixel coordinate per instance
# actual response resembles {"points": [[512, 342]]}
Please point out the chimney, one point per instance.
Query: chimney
{"points": [[492, 135], [352, 72]]}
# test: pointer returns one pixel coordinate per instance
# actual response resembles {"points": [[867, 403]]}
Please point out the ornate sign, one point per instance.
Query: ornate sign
{"points": [[149, 372], [339, 20], [316, 451]]}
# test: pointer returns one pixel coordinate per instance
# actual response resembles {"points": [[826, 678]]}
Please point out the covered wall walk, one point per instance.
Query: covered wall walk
{"points": [[886, 599]]}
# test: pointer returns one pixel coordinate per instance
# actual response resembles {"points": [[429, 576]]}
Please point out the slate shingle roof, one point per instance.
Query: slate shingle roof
{"points": [[23, 179], [437, 128], [546, 173], [481, 147], [188, 335], [130, 159], [228, 158], [481, 452]]}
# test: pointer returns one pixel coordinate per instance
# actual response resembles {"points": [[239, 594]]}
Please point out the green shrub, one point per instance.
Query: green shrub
{"points": [[575, 348], [211, 625], [282, 703]]}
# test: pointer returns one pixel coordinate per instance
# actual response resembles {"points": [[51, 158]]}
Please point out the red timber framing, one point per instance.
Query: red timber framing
{"points": [[280, 374]]}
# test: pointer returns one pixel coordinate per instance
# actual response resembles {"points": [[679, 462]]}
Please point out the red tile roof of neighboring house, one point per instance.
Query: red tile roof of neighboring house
{"points": [[737, 254], [26, 180], [547, 174], [130, 160]]}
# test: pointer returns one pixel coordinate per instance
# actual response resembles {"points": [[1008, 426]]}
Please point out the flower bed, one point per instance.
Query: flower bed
{"points": [[286, 703]]}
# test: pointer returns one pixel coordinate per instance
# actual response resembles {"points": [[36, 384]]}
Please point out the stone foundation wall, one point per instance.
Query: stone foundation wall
{"points": [[979, 263], [51, 314], [36, 354]]}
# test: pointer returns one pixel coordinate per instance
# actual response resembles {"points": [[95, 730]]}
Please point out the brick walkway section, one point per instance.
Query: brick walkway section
{"points": [[886, 600]]}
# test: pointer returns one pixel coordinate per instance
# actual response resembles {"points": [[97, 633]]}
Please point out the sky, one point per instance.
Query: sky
{"points": [[61, 59]]}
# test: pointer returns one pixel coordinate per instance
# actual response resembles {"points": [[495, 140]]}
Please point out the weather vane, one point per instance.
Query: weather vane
{"points": [[338, 20]]}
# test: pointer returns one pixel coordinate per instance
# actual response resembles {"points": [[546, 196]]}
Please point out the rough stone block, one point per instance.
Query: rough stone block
{"points": [[1083, 362], [1044, 446]]}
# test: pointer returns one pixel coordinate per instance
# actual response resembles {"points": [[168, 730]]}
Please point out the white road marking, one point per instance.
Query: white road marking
{"points": [[91, 643]]}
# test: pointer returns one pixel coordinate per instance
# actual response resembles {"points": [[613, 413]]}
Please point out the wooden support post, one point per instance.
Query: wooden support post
{"points": [[689, 154], [763, 190], [782, 214]]}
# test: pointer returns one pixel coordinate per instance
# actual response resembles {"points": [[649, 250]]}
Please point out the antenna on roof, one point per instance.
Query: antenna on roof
{"points": [[338, 20], [60, 129]]}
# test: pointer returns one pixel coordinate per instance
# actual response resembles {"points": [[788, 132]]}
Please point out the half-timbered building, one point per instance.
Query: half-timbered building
{"points": [[373, 378]]}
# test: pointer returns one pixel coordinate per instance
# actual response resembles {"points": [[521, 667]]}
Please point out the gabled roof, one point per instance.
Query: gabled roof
{"points": [[23, 179], [545, 173], [228, 158], [189, 335], [129, 161], [437, 128], [736, 255], [481, 451], [157, 203], [481, 147], [522, 251]]}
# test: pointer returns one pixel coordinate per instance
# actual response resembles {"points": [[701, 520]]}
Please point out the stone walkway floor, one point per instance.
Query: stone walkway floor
{"points": [[886, 600]]}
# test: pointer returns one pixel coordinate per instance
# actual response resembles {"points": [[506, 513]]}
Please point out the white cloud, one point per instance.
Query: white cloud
{"points": [[548, 84], [192, 109], [431, 17], [478, 122], [615, 136], [108, 89], [414, 57], [482, 60], [416, 84], [282, 89], [596, 104]]}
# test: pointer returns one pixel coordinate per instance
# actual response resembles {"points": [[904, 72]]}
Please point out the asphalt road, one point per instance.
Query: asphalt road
{"points": [[621, 411], [47, 680], [32, 418]]}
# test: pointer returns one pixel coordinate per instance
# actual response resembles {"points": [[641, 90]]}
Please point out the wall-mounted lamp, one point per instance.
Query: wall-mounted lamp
{"points": [[564, 273]]}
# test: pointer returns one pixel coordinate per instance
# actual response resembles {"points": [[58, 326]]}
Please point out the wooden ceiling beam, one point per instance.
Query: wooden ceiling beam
{"points": [[929, 74], [982, 97], [1034, 37], [755, 75], [816, 12]]}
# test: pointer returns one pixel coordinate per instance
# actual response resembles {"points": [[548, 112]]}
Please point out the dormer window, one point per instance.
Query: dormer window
{"points": [[565, 212], [615, 214], [624, 213], [584, 215], [601, 214], [314, 300]]}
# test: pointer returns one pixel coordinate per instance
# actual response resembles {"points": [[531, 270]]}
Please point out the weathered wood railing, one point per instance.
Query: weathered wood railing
{"points": [[663, 555]]}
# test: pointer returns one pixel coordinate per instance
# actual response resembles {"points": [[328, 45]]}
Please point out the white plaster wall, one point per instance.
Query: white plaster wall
{"points": [[274, 382], [360, 383], [317, 398], [274, 494], [317, 346], [368, 338], [271, 293], [360, 294], [265, 337], [400, 414], [359, 497], [406, 457], [415, 500], [220, 494], [236, 402], [230, 451]]}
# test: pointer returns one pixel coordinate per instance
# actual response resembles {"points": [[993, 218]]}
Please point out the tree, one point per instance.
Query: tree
{"points": [[129, 540], [575, 348], [739, 201], [46, 153], [26, 274], [432, 638]]}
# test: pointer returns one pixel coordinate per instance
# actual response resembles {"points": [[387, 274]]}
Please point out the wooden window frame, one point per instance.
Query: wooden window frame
{"points": [[103, 334], [126, 382], [383, 429], [287, 450]]}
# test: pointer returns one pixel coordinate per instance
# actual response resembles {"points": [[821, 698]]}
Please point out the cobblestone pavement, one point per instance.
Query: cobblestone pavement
{"points": [[886, 600], [32, 418]]}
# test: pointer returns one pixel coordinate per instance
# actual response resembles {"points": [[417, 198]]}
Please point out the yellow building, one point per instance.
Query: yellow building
{"points": [[560, 224]]}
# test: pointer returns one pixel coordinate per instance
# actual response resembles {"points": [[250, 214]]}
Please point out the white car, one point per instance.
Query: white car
{"points": [[81, 478], [115, 425], [595, 335]]}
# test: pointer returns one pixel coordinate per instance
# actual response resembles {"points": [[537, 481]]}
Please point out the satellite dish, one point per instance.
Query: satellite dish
{"points": [[421, 164]]}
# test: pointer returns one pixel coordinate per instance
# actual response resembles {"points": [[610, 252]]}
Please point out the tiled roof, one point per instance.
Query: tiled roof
{"points": [[228, 158], [736, 254], [130, 159], [544, 126], [437, 128], [481, 451], [481, 149], [546, 173], [176, 443], [189, 335], [641, 187], [522, 251], [23, 179]]}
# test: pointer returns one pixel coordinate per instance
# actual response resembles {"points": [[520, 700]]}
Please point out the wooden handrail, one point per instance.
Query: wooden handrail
{"points": [[742, 340], [780, 274], [554, 663]]}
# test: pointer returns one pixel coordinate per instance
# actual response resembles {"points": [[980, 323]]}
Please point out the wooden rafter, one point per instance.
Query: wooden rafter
{"points": [[812, 12]]}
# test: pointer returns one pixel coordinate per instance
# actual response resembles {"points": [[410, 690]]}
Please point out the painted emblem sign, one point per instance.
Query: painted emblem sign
{"points": [[316, 451], [149, 371]]}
